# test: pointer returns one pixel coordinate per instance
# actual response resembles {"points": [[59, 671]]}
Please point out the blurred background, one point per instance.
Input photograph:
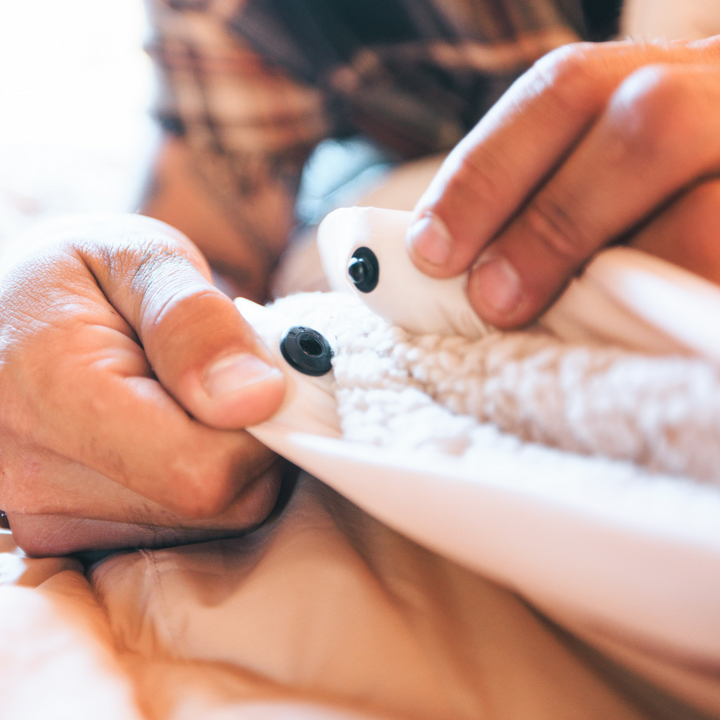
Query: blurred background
{"points": [[75, 87]]}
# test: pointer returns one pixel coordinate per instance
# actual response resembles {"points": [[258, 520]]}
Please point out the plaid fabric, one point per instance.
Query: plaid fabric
{"points": [[254, 85]]}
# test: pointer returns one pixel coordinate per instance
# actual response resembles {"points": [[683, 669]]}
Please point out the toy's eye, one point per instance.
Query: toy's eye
{"points": [[364, 269], [307, 351]]}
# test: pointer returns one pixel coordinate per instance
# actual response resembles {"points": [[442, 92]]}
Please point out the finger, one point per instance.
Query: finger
{"points": [[75, 381], [520, 142], [200, 348], [92, 401], [67, 518], [658, 134], [55, 535], [687, 233]]}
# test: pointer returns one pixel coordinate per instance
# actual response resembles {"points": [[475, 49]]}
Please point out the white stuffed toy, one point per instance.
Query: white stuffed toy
{"points": [[616, 368], [577, 462]]}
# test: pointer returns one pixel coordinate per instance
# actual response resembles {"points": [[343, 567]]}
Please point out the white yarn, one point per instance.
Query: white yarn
{"points": [[455, 396]]}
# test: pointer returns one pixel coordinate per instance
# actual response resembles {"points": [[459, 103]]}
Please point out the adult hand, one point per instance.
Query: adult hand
{"points": [[124, 377], [590, 144]]}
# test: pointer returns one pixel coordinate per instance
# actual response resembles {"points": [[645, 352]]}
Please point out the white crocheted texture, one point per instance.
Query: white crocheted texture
{"points": [[514, 391]]}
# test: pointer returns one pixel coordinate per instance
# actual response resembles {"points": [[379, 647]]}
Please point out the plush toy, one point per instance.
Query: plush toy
{"points": [[576, 461], [608, 371]]}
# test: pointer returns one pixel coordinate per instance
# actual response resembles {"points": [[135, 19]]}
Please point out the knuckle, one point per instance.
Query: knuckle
{"points": [[569, 76], [172, 319], [656, 109], [206, 484], [203, 482], [135, 253], [479, 179], [140, 262], [200, 495], [548, 223], [166, 290]]}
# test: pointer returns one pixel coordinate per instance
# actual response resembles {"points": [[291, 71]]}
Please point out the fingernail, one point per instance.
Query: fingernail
{"points": [[430, 240], [498, 284], [236, 372]]}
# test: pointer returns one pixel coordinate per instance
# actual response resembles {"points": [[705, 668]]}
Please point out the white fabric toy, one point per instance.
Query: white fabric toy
{"points": [[562, 460], [416, 368]]}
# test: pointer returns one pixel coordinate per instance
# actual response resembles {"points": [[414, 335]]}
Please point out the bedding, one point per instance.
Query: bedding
{"points": [[324, 613], [449, 565]]}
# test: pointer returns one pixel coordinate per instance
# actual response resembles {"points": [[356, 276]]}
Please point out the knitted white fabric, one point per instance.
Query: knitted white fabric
{"points": [[455, 396]]}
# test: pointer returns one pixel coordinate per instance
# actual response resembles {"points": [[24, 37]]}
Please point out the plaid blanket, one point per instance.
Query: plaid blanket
{"points": [[255, 85]]}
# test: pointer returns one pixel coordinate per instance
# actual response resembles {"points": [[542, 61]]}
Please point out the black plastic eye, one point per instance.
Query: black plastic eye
{"points": [[307, 351], [364, 269]]}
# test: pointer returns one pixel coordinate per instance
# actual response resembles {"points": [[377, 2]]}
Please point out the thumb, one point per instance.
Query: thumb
{"points": [[200, 348]]}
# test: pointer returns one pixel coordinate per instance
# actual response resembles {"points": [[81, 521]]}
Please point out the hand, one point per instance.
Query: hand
{"points": [[124, 377], [592, 143]]}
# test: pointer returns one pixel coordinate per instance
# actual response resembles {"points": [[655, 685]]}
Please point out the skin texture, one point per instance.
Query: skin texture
{"points": [[109, 436], [108, 332], [596, 143]]}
